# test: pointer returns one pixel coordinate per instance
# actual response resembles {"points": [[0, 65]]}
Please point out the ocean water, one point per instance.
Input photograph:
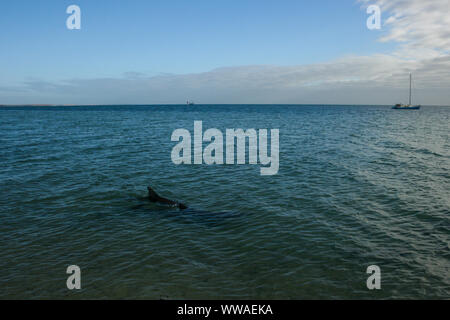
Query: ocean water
{"points": [[357, 186]]}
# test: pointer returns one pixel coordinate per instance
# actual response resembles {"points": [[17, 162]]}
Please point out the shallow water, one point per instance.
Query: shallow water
{"points": [[357, 186]]}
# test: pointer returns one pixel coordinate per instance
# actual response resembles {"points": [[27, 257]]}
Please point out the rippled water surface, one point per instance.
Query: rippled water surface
{"points": [[357, 186]]}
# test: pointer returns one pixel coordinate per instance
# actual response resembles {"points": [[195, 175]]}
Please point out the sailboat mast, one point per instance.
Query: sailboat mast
{"points": [[410, 83]]}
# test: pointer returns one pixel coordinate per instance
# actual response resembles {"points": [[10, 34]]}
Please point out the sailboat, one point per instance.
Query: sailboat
{"points": [[407, 106]]}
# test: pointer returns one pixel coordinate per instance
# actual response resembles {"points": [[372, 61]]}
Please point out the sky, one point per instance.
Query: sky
{"points": [[246, 51]]}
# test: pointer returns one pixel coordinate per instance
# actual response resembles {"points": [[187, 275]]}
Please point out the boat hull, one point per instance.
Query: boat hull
{"points": [[406, 107]]}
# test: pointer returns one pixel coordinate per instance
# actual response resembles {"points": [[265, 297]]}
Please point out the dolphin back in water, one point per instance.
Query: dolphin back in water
{"points": [[154, 197]]}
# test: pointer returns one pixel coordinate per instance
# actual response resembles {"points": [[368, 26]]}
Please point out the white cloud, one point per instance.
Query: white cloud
{"points": [[377, 79], [419, 23]]}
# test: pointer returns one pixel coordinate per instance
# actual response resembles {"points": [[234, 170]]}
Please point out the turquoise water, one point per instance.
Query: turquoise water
{"points": [[357, 186]]}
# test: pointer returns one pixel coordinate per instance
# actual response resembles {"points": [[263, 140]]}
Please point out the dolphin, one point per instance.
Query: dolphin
{"points": [[154, 197]]}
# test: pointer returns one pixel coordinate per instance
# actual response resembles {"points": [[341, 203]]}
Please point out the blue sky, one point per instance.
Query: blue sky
{"points": [[173, 37]]}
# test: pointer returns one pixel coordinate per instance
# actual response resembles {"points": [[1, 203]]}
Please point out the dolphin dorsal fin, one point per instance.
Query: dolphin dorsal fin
{"points": [[152, 193]]}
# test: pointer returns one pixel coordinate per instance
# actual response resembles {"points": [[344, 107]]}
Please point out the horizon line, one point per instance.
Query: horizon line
{"points": [[205, 104]]}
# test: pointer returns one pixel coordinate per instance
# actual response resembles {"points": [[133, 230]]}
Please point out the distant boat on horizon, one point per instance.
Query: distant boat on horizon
{"points": [[408, 106], [190, 103]]}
